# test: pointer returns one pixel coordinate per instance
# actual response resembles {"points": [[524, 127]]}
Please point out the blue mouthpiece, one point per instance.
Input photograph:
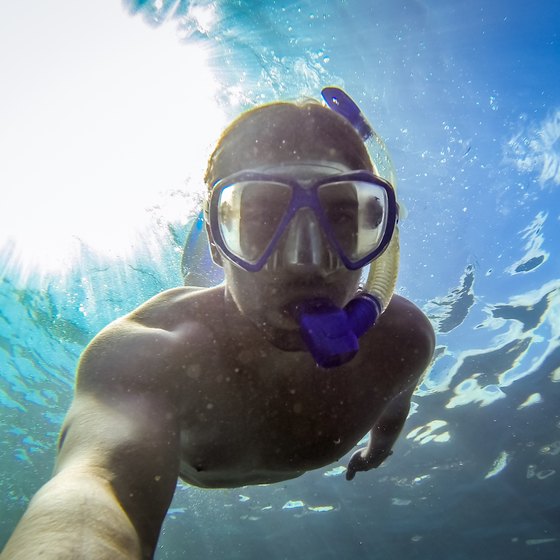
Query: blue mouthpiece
{"points": [[330, 333]]}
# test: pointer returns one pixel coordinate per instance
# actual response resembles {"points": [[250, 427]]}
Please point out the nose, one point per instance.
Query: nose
{"points": [[303, 246]]}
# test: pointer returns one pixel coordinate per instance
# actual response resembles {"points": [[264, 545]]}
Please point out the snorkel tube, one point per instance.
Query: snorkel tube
{"points": [[330, 333]]}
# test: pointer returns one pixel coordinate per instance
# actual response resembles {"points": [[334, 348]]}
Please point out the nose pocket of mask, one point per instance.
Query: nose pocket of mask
{"points": [[303, 242]]}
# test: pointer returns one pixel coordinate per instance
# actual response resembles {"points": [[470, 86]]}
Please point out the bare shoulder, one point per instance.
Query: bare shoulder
{"points": [[407, 318], [403, 340], [140, 350], [169, 309]]}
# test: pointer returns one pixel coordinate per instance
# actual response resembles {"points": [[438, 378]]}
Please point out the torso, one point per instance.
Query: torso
{"points": [[250, 413]]}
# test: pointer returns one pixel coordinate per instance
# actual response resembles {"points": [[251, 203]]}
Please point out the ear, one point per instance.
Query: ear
{"points": [[214, 251]]}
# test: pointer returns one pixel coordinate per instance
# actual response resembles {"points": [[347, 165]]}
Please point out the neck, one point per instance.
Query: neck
{"points": [[253, 329]]}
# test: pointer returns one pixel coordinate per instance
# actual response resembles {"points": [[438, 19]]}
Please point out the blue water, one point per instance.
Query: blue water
{"points": [[467, 97]]}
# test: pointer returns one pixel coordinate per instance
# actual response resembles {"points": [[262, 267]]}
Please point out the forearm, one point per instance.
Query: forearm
{"points": [[382, 437], [74, 516], [387, 429]]}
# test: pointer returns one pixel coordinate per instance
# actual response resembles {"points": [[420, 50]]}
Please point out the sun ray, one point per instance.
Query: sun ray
{"points": [[95, 143]]}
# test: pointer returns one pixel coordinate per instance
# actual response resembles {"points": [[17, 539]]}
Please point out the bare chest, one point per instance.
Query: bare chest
{"points": [[261, 420]]}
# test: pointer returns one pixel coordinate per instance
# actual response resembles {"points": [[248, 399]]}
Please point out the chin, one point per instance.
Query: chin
{"points": [[286, 340], [282, 330]]}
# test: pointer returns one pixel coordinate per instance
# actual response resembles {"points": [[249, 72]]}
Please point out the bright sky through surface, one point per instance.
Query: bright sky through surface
{"points": [[101, 117]]}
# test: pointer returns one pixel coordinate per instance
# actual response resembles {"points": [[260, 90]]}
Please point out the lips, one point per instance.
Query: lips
{"points": [[296, 297]]}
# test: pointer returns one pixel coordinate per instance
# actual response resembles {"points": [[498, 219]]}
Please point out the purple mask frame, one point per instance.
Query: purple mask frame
{"points": [[302, 197]]}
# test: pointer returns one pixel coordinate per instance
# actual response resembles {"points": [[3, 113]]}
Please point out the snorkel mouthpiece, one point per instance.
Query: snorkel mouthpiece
{"points": [[330, 333]]}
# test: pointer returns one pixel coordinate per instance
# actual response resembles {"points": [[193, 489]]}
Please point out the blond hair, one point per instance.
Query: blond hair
{"points": [[286, 132]]}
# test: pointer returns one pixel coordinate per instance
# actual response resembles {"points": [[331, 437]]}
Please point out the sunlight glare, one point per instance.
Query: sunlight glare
{"points": [[105, 117]]}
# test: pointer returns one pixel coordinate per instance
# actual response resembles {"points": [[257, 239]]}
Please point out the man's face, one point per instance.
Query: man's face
{"points": [[303, 266]]}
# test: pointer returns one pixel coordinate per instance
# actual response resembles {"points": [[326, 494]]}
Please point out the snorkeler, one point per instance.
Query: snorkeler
{"points": [[257, 380]]}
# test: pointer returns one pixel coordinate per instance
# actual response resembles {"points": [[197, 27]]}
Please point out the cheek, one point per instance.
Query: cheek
{"points": [[354, 280], [347, 285], [243, 287]]}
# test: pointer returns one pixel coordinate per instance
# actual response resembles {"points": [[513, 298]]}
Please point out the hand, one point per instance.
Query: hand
{"points": [[361, 461]]}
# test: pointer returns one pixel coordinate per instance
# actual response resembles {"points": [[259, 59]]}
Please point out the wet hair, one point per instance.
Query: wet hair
{"points": [[286, 132]]}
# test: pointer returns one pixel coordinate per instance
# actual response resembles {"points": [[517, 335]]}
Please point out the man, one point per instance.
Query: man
{"points": [[220, 386]]}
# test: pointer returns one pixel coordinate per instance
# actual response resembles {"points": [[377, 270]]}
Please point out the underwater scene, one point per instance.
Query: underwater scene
{"points": [[109, 113]]}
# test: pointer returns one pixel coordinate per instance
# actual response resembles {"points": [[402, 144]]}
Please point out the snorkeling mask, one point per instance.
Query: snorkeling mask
{"points": [[357, 212], [249, 211]]}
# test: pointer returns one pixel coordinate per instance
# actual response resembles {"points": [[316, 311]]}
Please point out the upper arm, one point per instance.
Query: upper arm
{"points": [[408, 346], [397, 409], [409, 342], [125, 433]]}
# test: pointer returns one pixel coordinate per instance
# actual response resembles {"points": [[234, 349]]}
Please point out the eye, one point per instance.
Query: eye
{"points": [[341, 212], [373, 213]]}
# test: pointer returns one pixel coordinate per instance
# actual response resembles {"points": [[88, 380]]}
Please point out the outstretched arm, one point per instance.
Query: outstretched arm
{"points": [[113, 483], [115, 473]]}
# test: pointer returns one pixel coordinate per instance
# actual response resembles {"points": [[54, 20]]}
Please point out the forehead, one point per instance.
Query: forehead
{"points": [[283, 134], [306, 170]]}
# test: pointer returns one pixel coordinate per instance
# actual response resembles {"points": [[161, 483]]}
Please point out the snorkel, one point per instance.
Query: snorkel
{"points": [[331, 334]]}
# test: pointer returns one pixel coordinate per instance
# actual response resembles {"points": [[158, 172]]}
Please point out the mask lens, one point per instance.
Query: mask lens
{"points": [[356, 212], [249, 213]]}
